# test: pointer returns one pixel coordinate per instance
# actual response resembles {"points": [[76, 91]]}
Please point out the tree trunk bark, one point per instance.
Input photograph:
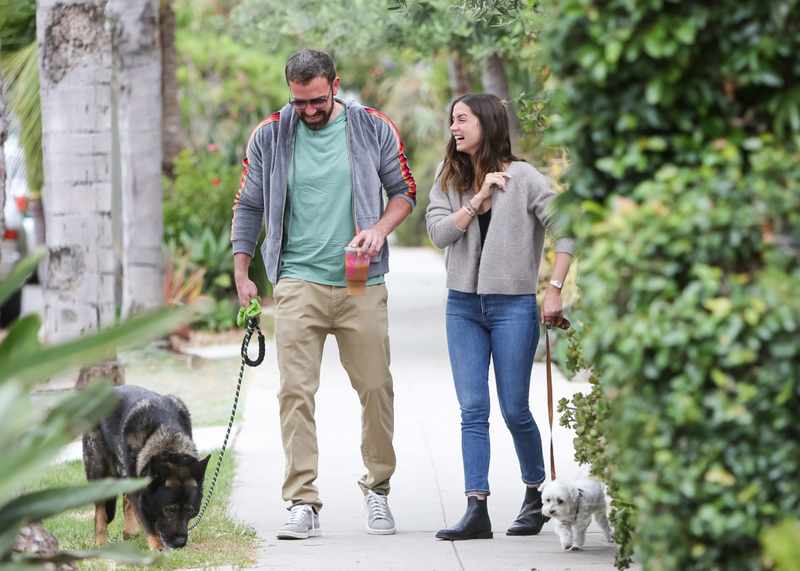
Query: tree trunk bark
{"points": [[458, 82], [174, 137], [75, 75], [495, 81], [138, 57]]}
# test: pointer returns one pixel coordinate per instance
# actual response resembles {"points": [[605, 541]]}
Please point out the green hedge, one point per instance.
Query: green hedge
{"points": [[683, 125]]}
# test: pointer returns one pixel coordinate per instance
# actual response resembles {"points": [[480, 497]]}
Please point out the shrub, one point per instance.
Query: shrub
{"points": [[202, 193], [683, 126]]}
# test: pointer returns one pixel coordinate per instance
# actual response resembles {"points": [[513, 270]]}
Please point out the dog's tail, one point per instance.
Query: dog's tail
{"points": [[111, 509], [585, 473]]}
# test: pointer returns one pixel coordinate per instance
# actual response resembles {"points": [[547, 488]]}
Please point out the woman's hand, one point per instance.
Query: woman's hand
{"points": [[491, 180], [551, 306]]}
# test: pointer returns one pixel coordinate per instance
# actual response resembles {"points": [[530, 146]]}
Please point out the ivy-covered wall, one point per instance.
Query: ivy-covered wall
{"points": [[682, 119]]}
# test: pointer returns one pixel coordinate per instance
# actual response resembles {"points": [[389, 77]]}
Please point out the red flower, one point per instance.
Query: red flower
{"points": [[215, 180], [211, 148]]}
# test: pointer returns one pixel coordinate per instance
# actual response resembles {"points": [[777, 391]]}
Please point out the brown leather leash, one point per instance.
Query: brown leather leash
{"points": [[562, 323]]}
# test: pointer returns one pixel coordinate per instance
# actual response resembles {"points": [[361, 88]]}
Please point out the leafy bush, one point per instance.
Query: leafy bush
{"points": [[31, 436], [228, 85], [782, 545], [683, 126], [202, 193]]}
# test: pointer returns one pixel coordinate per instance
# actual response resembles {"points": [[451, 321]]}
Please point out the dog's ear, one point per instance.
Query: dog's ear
{"points": [[574, 494], [199, 468], [157, 470]]}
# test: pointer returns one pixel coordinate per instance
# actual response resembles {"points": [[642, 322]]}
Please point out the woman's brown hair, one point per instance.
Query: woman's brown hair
{"points": [[461, 172]]}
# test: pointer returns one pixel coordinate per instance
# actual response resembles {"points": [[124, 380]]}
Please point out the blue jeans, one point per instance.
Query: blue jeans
{"points": [[505, 328]]}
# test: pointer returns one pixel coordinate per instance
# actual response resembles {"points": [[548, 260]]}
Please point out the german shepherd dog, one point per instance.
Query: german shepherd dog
{"points": [[147, 435]]}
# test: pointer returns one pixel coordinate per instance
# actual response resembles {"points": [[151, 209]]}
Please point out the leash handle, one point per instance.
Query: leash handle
{"points": [[252, 324]]}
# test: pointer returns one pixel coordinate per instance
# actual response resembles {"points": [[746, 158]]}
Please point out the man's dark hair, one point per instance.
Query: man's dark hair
{"points": [[307, 65]]}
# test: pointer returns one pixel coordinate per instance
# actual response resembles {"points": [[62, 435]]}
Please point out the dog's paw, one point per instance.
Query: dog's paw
{"points": [[576, 547], [567, 547]]}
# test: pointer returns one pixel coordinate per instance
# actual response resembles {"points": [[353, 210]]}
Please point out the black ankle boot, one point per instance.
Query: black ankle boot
{"points": [[474, 525], [530, 519]]}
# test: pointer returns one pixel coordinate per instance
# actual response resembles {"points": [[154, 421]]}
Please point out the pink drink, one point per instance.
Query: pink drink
{"points": [[356, 271]]}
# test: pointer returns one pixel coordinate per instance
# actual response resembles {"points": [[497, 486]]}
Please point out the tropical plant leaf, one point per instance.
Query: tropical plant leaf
{"points": [[21, 70], [90, 405], [119, 552], [39, 505], [22, 338], [23, 566], [16, 279], [25, 463], [7, 539], [93, 348]]}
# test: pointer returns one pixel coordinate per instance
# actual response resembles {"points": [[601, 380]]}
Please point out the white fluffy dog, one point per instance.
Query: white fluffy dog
{"points": [[571, 506]]}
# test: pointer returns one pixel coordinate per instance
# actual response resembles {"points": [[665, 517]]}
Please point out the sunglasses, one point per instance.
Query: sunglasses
{"points": [[317, 102]]}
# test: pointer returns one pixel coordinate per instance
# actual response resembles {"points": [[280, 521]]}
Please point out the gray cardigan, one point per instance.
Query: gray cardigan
{"points": [[514, 243], [377, 159]]}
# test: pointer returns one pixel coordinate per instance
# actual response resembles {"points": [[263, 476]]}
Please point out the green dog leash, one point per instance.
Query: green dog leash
{"points": [[247, 319]]}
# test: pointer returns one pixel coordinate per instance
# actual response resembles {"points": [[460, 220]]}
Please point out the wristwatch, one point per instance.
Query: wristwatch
{"points": [[556, 283]]}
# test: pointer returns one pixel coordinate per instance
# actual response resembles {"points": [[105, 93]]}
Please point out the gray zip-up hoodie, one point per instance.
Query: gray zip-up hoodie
{"points": [[376, 158]]}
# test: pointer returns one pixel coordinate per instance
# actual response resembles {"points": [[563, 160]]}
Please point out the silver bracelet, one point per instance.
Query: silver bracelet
{"points": [[469, 209]]}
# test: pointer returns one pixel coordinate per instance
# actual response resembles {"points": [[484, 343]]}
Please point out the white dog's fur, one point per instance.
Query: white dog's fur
{"points": [[571, 506]]}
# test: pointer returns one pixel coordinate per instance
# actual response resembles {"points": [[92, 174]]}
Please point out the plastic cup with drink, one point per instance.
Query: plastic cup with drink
{"points": [[356, 271]]}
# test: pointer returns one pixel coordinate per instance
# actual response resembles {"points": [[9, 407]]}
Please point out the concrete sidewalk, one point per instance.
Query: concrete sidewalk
{"points": [[427, 489]]}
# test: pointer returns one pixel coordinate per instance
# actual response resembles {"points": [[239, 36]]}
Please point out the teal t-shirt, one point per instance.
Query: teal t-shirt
{"points": [[318, 219]]}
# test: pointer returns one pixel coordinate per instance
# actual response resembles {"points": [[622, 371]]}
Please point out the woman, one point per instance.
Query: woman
{"points": [[489, 209]]}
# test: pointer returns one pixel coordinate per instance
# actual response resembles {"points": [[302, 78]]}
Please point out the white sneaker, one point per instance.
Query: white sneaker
{"points": [[379, 517], [303, 523]]}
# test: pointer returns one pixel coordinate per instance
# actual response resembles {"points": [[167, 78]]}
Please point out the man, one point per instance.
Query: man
{"points": [[313, 174]]}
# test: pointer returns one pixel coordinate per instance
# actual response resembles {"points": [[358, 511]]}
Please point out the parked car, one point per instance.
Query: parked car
{"points": [[16, 241]]}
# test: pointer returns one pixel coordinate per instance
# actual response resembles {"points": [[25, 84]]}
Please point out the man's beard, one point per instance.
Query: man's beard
{"points": [[317, 125]]}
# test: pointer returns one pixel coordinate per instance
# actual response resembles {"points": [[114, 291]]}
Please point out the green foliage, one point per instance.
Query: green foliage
{"points": [[17, 24], [32, 435], [19, 59], [202, 193], [212, 251], [685, 193], [588, 417], [228, 86], [782, 545], [21, 75]]}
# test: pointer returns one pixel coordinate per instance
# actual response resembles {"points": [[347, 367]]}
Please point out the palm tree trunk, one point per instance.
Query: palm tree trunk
{"points": [[138, 57], [495, 81], [174, 137], [75, 90]]}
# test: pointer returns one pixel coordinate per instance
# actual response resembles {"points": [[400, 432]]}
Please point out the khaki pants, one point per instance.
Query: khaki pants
{"points": [[305, 313]]}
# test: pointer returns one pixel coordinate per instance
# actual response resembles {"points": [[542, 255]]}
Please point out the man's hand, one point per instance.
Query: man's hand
{"points": [[369, 242], [245, 288]]}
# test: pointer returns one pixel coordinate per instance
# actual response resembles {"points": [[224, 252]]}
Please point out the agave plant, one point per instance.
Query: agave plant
{"points": [[32, 435]]}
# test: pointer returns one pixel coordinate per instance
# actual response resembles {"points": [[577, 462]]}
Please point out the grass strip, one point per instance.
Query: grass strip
{"points": [[217, 541]]}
